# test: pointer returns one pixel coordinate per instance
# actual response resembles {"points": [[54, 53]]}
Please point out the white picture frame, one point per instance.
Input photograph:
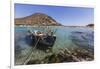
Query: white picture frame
{"points": [[41, 2]]}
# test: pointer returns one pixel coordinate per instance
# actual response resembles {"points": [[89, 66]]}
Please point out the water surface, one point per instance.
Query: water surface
{"points": [[67, 37]]}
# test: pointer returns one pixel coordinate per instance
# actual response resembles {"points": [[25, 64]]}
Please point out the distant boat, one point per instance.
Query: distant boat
{"points": [[40, 40]]}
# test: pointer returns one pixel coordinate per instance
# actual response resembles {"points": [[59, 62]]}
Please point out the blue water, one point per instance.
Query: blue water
{"points": [[67, 37]]}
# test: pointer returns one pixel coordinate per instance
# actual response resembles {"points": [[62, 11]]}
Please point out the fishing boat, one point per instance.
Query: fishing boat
{"points": [[40, 40]]}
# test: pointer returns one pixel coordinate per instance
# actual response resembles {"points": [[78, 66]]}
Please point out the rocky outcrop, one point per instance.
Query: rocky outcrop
{"points": [[38, 19], [90, 25]]}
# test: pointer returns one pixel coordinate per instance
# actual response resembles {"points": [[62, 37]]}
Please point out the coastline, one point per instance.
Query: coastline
{"points": [[48, 26]]}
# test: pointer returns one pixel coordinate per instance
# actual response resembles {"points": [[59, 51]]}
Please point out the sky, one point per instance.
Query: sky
{"points": [[69, 16]]}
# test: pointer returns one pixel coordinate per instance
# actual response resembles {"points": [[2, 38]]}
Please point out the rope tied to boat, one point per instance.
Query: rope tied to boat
{"points": [[29, 57], [36, 43]]}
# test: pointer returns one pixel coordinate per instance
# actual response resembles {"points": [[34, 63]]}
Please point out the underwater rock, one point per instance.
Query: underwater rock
{"points": [[33, 62], [83, 39], [65, 55]]}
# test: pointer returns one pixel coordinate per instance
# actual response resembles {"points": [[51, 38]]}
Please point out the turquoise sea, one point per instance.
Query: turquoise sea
{"points": [[67, 37]]}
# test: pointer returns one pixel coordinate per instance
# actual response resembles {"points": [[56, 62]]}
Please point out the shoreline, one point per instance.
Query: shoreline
{"points": [[51, 26]]}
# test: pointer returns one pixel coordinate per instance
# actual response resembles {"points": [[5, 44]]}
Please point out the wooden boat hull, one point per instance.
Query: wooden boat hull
{"points": [[42, 43]]}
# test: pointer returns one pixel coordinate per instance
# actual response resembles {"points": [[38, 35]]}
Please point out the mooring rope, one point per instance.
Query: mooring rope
{"points": [[29, 57]]}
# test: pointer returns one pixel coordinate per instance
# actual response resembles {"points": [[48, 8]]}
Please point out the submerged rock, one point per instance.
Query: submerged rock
{"points": [[83, 40], [65, 55]]}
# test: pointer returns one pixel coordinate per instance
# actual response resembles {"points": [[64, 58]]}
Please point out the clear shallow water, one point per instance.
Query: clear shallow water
{"points": [[67, 37]]}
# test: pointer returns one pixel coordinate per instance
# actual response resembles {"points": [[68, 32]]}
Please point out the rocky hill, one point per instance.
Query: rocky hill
{"points": [[38, 19]]}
